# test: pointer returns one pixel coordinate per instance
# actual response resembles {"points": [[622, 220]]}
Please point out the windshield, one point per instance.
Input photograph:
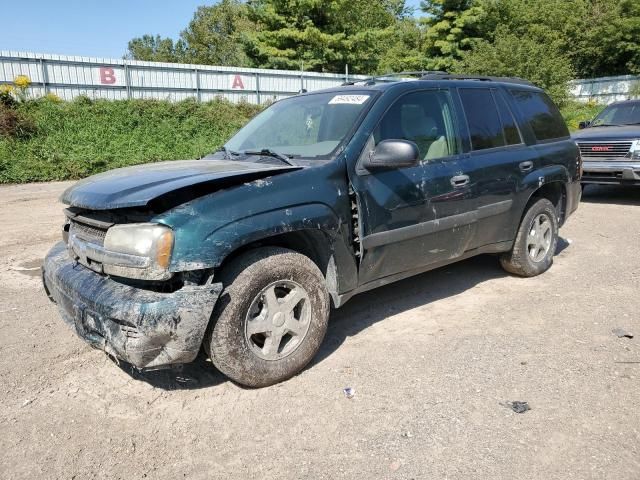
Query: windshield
{"points": [[309, 126], [622, 114]]}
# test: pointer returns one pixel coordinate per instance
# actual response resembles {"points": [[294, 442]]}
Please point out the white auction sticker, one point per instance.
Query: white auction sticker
{"points": [[349, 99]]}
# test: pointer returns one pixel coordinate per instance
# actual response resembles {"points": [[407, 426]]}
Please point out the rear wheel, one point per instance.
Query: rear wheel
{"points": [[271, 317], [536, 241]]}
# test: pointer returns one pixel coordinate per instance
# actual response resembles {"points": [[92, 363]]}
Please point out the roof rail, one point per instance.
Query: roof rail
{"points": [[480, 78], [391, 77]]}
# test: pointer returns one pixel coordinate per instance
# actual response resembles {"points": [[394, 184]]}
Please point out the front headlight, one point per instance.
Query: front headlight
{"points": [[634, 151], [149, 241]]}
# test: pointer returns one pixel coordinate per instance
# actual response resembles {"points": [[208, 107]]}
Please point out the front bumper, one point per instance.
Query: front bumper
{"points": [[614, 172], [146, 328]]}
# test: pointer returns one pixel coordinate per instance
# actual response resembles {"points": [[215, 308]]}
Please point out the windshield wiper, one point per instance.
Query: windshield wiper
{"points": [[267, 152], [228, 154]]}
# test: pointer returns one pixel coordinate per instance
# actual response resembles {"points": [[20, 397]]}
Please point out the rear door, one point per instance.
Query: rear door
{"points": [[554, 154], [499, 158], [417, 216]]}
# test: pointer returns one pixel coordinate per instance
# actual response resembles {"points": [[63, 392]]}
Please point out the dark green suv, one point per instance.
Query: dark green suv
{"points": [[320, 197]]}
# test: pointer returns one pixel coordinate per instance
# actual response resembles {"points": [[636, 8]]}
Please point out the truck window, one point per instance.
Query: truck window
{"points": [[483, 120], [424, 117], [541, 114], [309, 126], [509, 125]]}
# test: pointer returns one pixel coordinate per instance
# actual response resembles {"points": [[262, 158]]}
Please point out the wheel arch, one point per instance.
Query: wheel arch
{"points": [[323, 242], [556, 193], [550, 183]]}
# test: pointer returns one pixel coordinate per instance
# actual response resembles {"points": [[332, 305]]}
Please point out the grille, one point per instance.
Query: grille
{"points": [[88, 233], [604, 149]]}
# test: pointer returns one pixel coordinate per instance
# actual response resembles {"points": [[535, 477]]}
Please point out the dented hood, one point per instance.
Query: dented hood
{"points": [[137, 186]]}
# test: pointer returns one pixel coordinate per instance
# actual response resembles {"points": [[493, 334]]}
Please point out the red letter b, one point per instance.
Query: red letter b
{"points": [[107, 76]]}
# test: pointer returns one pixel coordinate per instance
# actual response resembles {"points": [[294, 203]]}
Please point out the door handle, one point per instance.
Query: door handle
{"points": [[526, 166], [460, 180]]}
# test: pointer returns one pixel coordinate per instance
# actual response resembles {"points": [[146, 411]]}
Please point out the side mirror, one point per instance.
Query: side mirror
{"points": [[584, 124], [393, 154]]}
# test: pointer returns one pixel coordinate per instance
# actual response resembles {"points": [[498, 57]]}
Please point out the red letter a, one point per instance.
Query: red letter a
{"points": [[237, 82]]}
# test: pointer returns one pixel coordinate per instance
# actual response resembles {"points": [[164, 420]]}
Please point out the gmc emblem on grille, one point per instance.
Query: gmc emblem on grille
{"points": [[600, 149]]}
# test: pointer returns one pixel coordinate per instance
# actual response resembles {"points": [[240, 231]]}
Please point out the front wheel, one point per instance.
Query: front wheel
{"points": [[271, 317], [536, 241]]}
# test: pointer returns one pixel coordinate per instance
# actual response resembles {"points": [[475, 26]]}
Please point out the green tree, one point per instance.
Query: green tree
{"points": [[611, 43], [451, 28], [155, 49], [217, 34], [404, 48], [599, 37], [512, 55], [324, 34]]}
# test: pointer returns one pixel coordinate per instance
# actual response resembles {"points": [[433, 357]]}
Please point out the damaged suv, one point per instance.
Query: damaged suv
{"points": [[320, 197]]}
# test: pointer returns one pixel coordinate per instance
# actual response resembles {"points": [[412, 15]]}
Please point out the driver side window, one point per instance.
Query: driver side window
{"points": [[425, 118]]}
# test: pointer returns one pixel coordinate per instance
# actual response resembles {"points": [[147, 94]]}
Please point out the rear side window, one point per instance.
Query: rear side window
{"points": [[509, 125], [482, 117], [541, 114]]}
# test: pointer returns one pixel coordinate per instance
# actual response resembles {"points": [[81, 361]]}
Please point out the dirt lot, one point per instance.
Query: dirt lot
{"points": [[431, 359]]}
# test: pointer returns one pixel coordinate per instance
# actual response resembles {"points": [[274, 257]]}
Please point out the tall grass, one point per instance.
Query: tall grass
{"points": [[72, 140], [75, 139]]}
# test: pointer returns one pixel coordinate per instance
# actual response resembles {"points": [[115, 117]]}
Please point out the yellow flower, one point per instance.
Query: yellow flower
{"points": [[22, 81], [52, 97], [6, 89]]}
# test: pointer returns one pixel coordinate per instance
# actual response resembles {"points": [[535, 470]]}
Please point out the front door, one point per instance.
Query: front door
{"points": [[421, 215]]}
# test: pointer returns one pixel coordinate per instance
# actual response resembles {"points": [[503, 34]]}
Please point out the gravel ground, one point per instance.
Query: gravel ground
{"points": [[432, 360]]}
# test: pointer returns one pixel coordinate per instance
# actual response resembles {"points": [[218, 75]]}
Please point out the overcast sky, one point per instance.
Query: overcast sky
{"points": [[92, 28]]}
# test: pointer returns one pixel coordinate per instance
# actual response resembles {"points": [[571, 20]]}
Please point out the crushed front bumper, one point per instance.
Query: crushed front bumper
{"points": [[613, 172], [146, 328]]}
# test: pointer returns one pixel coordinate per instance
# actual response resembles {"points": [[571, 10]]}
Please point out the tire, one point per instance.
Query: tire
{"points": [[524, 259], [268, 288]]}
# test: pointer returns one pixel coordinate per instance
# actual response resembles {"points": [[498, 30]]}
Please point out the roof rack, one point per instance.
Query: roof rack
{"points": [[480, 78], [392, 77], [435, 75]]}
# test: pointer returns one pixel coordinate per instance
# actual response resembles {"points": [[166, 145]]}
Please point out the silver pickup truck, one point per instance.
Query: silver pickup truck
{"points": [[610, 145]]}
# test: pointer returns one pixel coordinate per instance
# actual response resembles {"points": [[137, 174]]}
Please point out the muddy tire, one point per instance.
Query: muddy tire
{"points": [[271, 317], [536, 241]]}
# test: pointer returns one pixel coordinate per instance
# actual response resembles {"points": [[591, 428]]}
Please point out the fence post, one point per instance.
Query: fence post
{"points": [[258, 88], [199, 96], [127, 81], [45, 76]]}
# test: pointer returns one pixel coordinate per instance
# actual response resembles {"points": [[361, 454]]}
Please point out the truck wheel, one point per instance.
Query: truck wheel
{"points": [[271, 317], [536, 241]]}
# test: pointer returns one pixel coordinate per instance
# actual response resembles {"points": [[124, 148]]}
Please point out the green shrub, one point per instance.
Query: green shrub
{"points": [[15, 124], [76, 139], [575, 112], [44, 139]]}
